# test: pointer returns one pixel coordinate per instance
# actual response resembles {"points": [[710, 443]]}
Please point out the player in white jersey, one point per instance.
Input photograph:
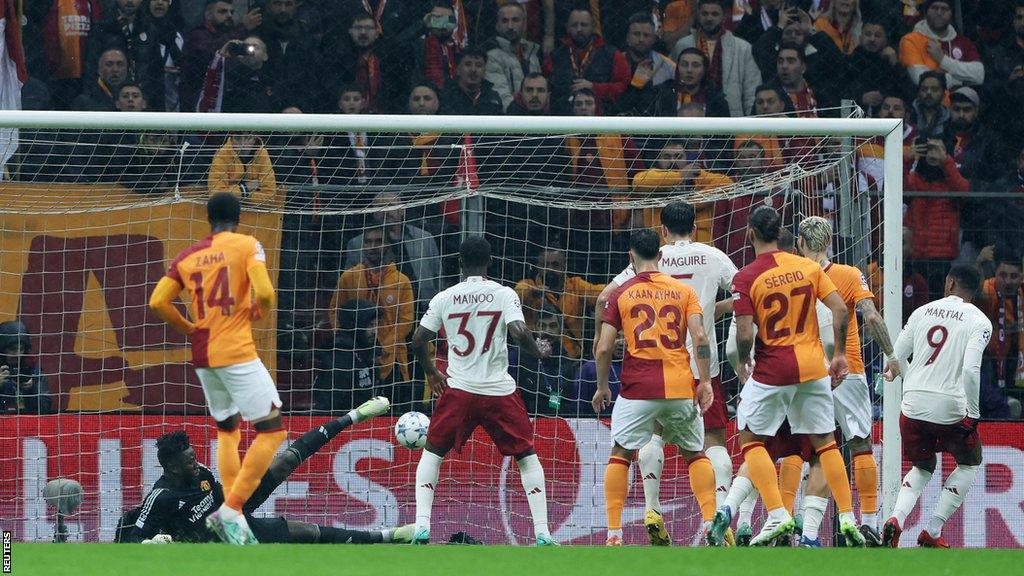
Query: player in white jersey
{"points": [[477, 391], [707, 270], [939, 411]]}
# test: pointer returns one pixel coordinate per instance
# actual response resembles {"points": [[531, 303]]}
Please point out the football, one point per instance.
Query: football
{"points": [[411, 430]]}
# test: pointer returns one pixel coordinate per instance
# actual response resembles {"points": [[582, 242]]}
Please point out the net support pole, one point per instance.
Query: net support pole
{"points": [[892, 268]]}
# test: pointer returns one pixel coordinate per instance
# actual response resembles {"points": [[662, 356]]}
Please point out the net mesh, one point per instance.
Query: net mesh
{"points": [[90, 220]]}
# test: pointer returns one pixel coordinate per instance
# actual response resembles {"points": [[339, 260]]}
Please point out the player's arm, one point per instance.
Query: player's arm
{"points": [[603, 359], [903, 348], [599, 306], [723, 307], [876, 326], [264, 289], [151, 518], [971, 371], [522, 336], [162, 303], [744, 345], [421, 340], [840, 325], [702, 350]]}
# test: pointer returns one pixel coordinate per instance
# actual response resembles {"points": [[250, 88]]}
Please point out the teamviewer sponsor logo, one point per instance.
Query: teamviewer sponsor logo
{"points": [[7, 551]]}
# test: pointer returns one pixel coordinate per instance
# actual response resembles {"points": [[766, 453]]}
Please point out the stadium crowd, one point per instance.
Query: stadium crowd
{"points": [[952, 69]]}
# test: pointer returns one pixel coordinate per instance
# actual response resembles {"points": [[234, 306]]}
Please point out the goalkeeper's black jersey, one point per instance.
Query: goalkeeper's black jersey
{"points": [[180, 512]]}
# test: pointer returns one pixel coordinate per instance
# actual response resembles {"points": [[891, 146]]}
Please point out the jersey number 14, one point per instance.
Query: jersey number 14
{"points": [[219, 297]]}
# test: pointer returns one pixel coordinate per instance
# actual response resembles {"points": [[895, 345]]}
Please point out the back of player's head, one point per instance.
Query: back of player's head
{"points": [[967, 278], [816, 232], [475, 252], [645, 244], [786, 240], [223, 208], [766, 223], [678, 217], [170, 445]]}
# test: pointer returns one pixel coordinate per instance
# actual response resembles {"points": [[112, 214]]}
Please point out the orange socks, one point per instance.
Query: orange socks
{"points": [[762, 474], [865, 476], [616, 484], [835, 473], [790, 470], [702, 482], [257, 460], [228, 461]]}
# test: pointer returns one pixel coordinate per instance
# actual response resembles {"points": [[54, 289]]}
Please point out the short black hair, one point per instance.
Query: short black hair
{"points": [[468, 51], [170, 445], [794, 47], [223, 208], [786, 240], [678, 217], [359, 16], [640, 18], [532, 75], [875, 21], [645, 243], [719, 3], [940, 76], [475, 252], [967, 278], [766, 223]]}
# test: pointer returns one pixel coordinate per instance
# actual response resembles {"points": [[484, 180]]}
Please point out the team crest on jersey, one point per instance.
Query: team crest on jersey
{"points": [[204, 485], [908, 291], [957, 53], [390, 299]]}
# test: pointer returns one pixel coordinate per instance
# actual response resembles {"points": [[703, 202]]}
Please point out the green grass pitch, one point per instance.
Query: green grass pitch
{"points": [[342, 560]]}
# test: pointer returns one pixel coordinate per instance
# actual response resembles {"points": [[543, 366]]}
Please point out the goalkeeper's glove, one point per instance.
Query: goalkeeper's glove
{"points": [[159, 539]]}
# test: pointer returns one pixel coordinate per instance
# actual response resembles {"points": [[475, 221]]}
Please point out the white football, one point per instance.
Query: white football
{"points": [[411, 430]]}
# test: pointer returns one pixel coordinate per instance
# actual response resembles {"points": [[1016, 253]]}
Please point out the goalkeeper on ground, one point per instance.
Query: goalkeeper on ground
{"points": [[187, 492]]}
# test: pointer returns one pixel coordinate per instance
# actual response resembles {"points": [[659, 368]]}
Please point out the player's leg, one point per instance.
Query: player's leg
{"points": [[683, 426], [815, 502], [632, 426], [962, 441], [919, 447], [651, 459], [305, 533], [745, 522], [453, 422], [716, 419], [225, 414], [852, 402]]}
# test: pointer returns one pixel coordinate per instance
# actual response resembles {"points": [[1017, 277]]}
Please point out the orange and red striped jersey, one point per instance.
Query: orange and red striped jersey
{"points": [[652, 310], [853, 287], [215, 272], [779, 290]]}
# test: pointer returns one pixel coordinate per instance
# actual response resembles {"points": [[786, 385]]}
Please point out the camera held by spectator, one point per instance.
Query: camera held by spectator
{"points": [[23, 389]]}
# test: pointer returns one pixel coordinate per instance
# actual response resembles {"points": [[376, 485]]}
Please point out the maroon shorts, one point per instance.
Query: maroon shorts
{"points": [[458, 413], [922, 440], [785, 443], [717, 416]]}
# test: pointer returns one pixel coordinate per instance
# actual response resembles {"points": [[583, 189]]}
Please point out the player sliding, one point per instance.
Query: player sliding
{"points": [[707, 270], [220, 273], [477, 391], [789, 379], [655, 312], [187, 493], [939, 412]]}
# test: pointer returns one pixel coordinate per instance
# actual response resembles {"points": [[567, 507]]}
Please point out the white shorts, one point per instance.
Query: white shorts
{"points": [[808, 406], [245, 388], [853, 406], [681, 422]]}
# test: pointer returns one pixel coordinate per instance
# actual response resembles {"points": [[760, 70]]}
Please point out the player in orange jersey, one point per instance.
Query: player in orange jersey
{"points": [[790, 379], [655, 312]]}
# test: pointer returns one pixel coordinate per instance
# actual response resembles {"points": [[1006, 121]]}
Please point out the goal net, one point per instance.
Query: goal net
{"points": [[361, 217]]}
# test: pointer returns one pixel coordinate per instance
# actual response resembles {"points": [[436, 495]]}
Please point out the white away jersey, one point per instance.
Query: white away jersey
{"points": [[474, 314], [704, 268], [946, 339]]}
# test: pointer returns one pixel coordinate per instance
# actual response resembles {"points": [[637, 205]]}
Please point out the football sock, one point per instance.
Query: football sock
{"points": [[616, 484], [762, 474], [329, 535], [865, 477], [814, 512], [953, 493], [702, 482], [531, 473], [651, 459], [790, 472], [740, 490], [913, 484], [722, 463], [747, 508], [835, 473], [427, 472], [255, 464], [228, 460]]}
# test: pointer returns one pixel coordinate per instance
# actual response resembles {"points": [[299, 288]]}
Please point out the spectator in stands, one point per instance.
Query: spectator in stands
{"points": [[112, 70], [166, 18], [731, 66], [875, 70], [64, 30], [763, 17], [470, 93], [692, 86], [236, 80], [928, 115], [934, 45], [436, 53], [510, 57], [291, 68], [1014, 181], [843, 23], [586, 381], [1002, 300], [23, 388], [750, 164], [242, 166], [346, 373], [570, 295], [606, 160], [533, 97], [130, 98], [545, 383], [915, 286], [1004, 81], [202, 42], [824, 63], [358, 58], [935, 221], [769, 101], [399, 23], [791, 69], [651, 70], [585, 61], [976, 151], [129, 28], [377, 279]]}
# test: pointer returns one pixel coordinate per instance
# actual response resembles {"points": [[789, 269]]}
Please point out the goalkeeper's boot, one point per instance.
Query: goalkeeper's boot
{"points": [[872, 539], [744, 534], [545, 540], [656, 531], [422, 536], [373, 407], [852, 536], [719, 524], [613, 541], [773, 529], [891, 533], [806, 542], [403, 534], [926, 540]]}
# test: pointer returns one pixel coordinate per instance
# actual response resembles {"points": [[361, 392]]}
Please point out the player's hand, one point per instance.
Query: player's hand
{"points": [[935, 50], [967, 426], [838, 369], [892, 370], [437, 383], [544, 347], [704, 396], [744, 370], [602, 399], [159, 539]]}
